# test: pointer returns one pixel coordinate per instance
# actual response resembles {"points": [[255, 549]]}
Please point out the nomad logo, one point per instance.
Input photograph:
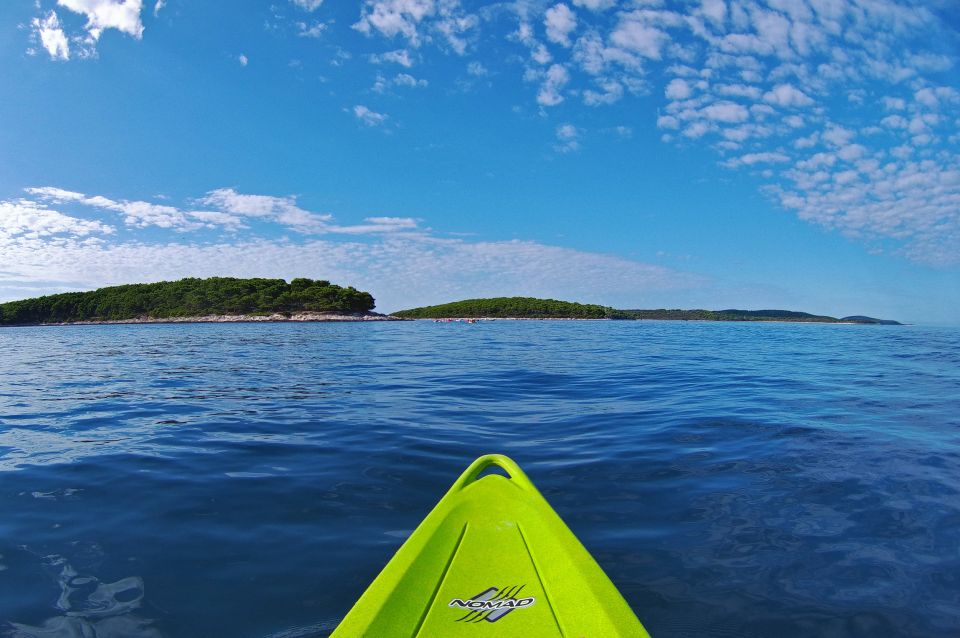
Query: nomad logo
{"points": [[492, 604]]}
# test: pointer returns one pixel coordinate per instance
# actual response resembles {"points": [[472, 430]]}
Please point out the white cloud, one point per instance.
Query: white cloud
{"points": [[715, 11], [787, 96], [555, 78], [308, 5], [750, 159], [52, 37], [560, 22], [283, 210], [405, 79], [837, 135], [243, 60], [379, 225], [678, 89], [635, 33], [122, 15], [418, 21], [52, 193], [47, 251], [595, 5], [894, 103], [224, 208], [30, 220], [567, 138], [314, 30], [369, 117], [913, 203], [395, 17], [213, 219], [399, 56], [540, 54], [477, 69], [739, 90], [611, 91], [725, 111], [158, 5]]}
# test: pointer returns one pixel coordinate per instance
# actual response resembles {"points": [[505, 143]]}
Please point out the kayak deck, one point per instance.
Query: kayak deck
{"points": [[491, 559]]}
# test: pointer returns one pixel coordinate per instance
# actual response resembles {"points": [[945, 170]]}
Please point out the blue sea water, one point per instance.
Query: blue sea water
{"points": [[250, 480]]}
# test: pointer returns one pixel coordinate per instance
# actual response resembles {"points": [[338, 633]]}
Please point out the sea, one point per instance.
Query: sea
{"points": [[250, 480]]}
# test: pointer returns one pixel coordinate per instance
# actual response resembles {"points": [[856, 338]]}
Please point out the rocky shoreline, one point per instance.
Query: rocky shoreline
{"points": [[274, 317]]}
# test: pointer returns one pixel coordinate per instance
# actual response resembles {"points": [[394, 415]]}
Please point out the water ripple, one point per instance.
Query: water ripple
{"points": [[732, 479]]}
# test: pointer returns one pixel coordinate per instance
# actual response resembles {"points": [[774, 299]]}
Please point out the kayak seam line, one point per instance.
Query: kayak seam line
{"points": [[443, 577], [543, 585]]}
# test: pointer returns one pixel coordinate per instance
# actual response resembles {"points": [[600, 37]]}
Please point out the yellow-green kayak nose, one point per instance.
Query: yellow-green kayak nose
{"points": [[492, 559]]}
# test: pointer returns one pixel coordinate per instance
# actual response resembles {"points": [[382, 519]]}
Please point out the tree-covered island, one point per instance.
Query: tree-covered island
{"points": [[531, 308], [215, 298], [232, 299]]}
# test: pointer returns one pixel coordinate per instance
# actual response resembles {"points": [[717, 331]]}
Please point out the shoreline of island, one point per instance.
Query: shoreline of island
{"points": [[597, 319], [295, 317], [259, 300]]}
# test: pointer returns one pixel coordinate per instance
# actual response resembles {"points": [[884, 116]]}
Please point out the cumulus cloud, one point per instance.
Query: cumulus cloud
{"points": [[399, 56], [724, 111], [308, 5], [477, 69], [567, 138], [283, 210], [405, 79], [637, 32], [313, 30], [30, 220], [595, 5], [560, 21], [418, 21], [787, 96], [678, 89], [52, 38], [555, 78], [101, 15], [368, 116], [749, 159], [122, 15]]}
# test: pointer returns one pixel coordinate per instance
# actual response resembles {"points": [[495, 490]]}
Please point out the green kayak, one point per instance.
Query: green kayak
{"points": [[491, 559]]}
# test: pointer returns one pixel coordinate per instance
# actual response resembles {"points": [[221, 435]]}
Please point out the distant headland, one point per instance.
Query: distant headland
{"points": [[229, 299], [531, 308]]}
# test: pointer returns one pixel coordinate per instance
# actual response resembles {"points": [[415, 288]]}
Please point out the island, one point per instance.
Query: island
{"points": [[229, 299], [532, 308], [214, 299]]}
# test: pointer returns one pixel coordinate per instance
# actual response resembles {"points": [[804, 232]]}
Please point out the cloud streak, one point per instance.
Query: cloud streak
{"points": [[223, 209]]}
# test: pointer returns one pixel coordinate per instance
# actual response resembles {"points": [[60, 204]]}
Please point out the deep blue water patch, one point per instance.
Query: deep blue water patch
{"points": [[250, 480]]}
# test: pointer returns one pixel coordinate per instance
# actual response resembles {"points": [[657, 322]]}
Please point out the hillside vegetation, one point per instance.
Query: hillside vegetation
{"points": [[188, 298], [722, 315], [509, 307], [532, 308]]}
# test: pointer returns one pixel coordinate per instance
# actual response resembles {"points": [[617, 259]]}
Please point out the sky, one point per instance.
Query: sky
{"points": [[794, 154]]}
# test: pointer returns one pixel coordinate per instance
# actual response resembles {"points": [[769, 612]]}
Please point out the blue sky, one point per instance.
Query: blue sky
{"points": [[798, 154]]}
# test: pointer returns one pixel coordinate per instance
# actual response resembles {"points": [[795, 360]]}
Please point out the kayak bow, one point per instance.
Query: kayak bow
{"points": [[492, 559]]}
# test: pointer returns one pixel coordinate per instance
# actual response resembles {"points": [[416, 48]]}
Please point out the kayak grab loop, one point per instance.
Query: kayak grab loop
{"points": [[505, 463]]}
